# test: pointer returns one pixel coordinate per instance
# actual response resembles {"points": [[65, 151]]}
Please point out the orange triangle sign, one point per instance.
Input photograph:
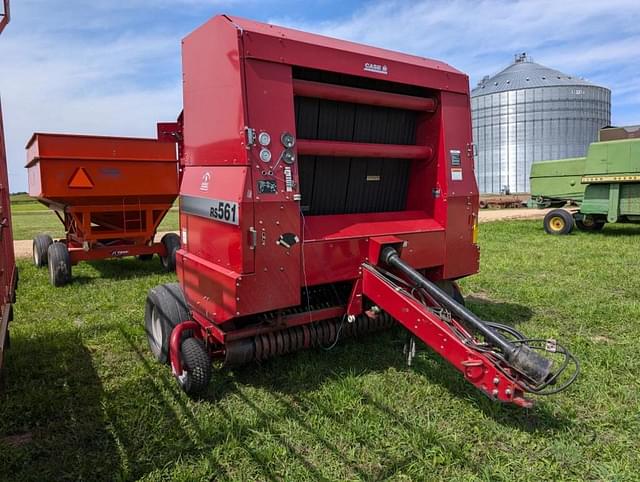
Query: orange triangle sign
{"points": [[80, 178]]}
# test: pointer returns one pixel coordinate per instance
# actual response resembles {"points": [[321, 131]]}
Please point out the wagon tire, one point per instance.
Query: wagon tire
{"points": [[59, 264], [590, 224], [171, 242], [196, 367], [41, 245], [558, 222], [165, 308]]}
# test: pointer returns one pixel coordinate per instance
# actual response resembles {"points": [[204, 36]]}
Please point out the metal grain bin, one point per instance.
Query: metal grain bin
{"points": [[528, 113]]}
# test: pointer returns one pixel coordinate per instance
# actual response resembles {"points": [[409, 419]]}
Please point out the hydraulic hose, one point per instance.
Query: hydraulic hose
{"points": [[523, 358]]}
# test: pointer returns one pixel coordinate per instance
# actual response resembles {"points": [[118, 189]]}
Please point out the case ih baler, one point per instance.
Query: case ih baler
{"points": [[327, 191]]}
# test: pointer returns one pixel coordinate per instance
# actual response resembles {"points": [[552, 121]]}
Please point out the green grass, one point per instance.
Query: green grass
{"points": [[84, 400]]}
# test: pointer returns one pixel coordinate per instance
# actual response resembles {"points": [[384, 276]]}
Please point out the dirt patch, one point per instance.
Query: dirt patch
{"points": [[601, 339], [486, 216]]}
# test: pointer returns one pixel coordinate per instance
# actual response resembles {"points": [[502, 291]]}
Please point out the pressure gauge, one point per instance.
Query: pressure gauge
{"points": [[265, 155], [288, 156], [288, 140], [264, 139]]}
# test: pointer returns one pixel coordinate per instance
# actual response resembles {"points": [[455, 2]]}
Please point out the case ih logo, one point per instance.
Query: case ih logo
{"points": [[376, 68]]}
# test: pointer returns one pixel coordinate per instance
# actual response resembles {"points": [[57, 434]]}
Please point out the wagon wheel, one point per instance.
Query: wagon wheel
{"points": [[558, 221], [171, 242], [59, 264], [41, 244], [590, 224]]}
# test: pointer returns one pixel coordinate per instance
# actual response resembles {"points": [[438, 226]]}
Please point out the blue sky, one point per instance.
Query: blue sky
{"points": [[105, 67]]}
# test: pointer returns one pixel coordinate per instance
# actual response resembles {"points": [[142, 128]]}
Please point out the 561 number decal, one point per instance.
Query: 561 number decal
{"points": [[224, 211]]}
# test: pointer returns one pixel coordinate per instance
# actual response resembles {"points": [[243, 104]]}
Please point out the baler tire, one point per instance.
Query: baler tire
{"points": [[196, 367], [165, 308], [145, 257], [59, 264], [558, 221], [593, 225], [171, 242], [41, 244]]}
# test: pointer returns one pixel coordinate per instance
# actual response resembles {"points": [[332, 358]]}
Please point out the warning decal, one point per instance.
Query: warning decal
{"points": [[80, 179]]}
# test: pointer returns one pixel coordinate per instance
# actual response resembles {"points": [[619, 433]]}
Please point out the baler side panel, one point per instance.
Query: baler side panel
{"points": [[213, 96], [461, 193], [269, 100]]}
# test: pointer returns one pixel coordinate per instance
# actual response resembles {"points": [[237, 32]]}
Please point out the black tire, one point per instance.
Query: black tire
{"points": [[59, 264], [558, 222], [145, 257], [452, 289], [41, 244], [171, 243], [196, 367], [164, 309], [589, 224]]}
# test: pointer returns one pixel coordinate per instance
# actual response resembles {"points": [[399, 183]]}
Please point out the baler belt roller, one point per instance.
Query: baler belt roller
{"points": [[504, 364]]}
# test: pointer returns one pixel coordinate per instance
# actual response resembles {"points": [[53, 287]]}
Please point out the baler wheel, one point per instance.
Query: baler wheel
{"points": [[59, 264], [558, 221], [164, 309], [196, 366], [171, 243], [41, 244], [589, 224]]}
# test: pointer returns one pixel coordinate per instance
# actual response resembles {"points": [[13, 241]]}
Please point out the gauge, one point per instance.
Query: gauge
{"points": [[264, 139], [288, 156], [288, 140], [265, 155]]}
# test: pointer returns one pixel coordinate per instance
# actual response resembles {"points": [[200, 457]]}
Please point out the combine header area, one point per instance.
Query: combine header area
{"points": [[111, 193], [8, 271], [328, 191]]}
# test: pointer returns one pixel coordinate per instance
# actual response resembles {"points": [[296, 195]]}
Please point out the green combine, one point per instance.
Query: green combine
{"points": [[605, 185]]}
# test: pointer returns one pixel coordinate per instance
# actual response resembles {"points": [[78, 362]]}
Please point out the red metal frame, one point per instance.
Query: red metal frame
{"points": [[239, 77], [8, 272], [132, 185]]}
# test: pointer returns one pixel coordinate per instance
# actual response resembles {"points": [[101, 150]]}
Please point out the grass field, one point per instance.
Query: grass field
{"points": [[30, 218], [83, 399]]}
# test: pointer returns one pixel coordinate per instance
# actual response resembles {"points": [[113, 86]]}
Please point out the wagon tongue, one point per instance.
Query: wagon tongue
{"points": [[504, 364]]}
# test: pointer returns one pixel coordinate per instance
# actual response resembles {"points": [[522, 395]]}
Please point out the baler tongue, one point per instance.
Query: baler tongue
{"points": [[504, 364]]}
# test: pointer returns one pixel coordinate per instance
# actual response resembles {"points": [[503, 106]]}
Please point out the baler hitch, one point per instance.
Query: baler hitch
{"points": [[512, 354]]}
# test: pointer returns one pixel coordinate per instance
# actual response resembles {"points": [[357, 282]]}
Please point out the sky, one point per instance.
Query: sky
{"points": [[113, 68]]}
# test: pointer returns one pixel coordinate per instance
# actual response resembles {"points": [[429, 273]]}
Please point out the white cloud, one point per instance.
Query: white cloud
{"points": [[114, 67]]}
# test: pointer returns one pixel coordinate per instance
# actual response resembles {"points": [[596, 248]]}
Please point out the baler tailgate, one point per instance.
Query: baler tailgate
{"points": [[426, 325]]}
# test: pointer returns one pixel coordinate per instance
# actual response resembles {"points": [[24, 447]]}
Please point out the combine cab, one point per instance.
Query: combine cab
{"points": [[8, 272], [605, 185], [110, 193]]}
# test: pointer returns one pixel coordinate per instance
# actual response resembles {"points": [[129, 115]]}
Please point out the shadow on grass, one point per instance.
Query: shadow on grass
{"points": [[121, 269], [52, 425], [619, 231]]}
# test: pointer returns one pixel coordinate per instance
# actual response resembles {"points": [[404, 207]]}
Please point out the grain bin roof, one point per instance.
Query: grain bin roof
{"points": [[525, 74]]}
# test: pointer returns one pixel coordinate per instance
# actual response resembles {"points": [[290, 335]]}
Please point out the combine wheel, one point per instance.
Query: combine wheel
{"points": [[165, 308], [41, 244], [196, 367], [59, 264], [171, 243], [590, 224], [558, 221]]}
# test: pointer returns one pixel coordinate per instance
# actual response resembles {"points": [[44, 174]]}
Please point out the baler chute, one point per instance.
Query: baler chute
{"points": [[327, 191]]}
